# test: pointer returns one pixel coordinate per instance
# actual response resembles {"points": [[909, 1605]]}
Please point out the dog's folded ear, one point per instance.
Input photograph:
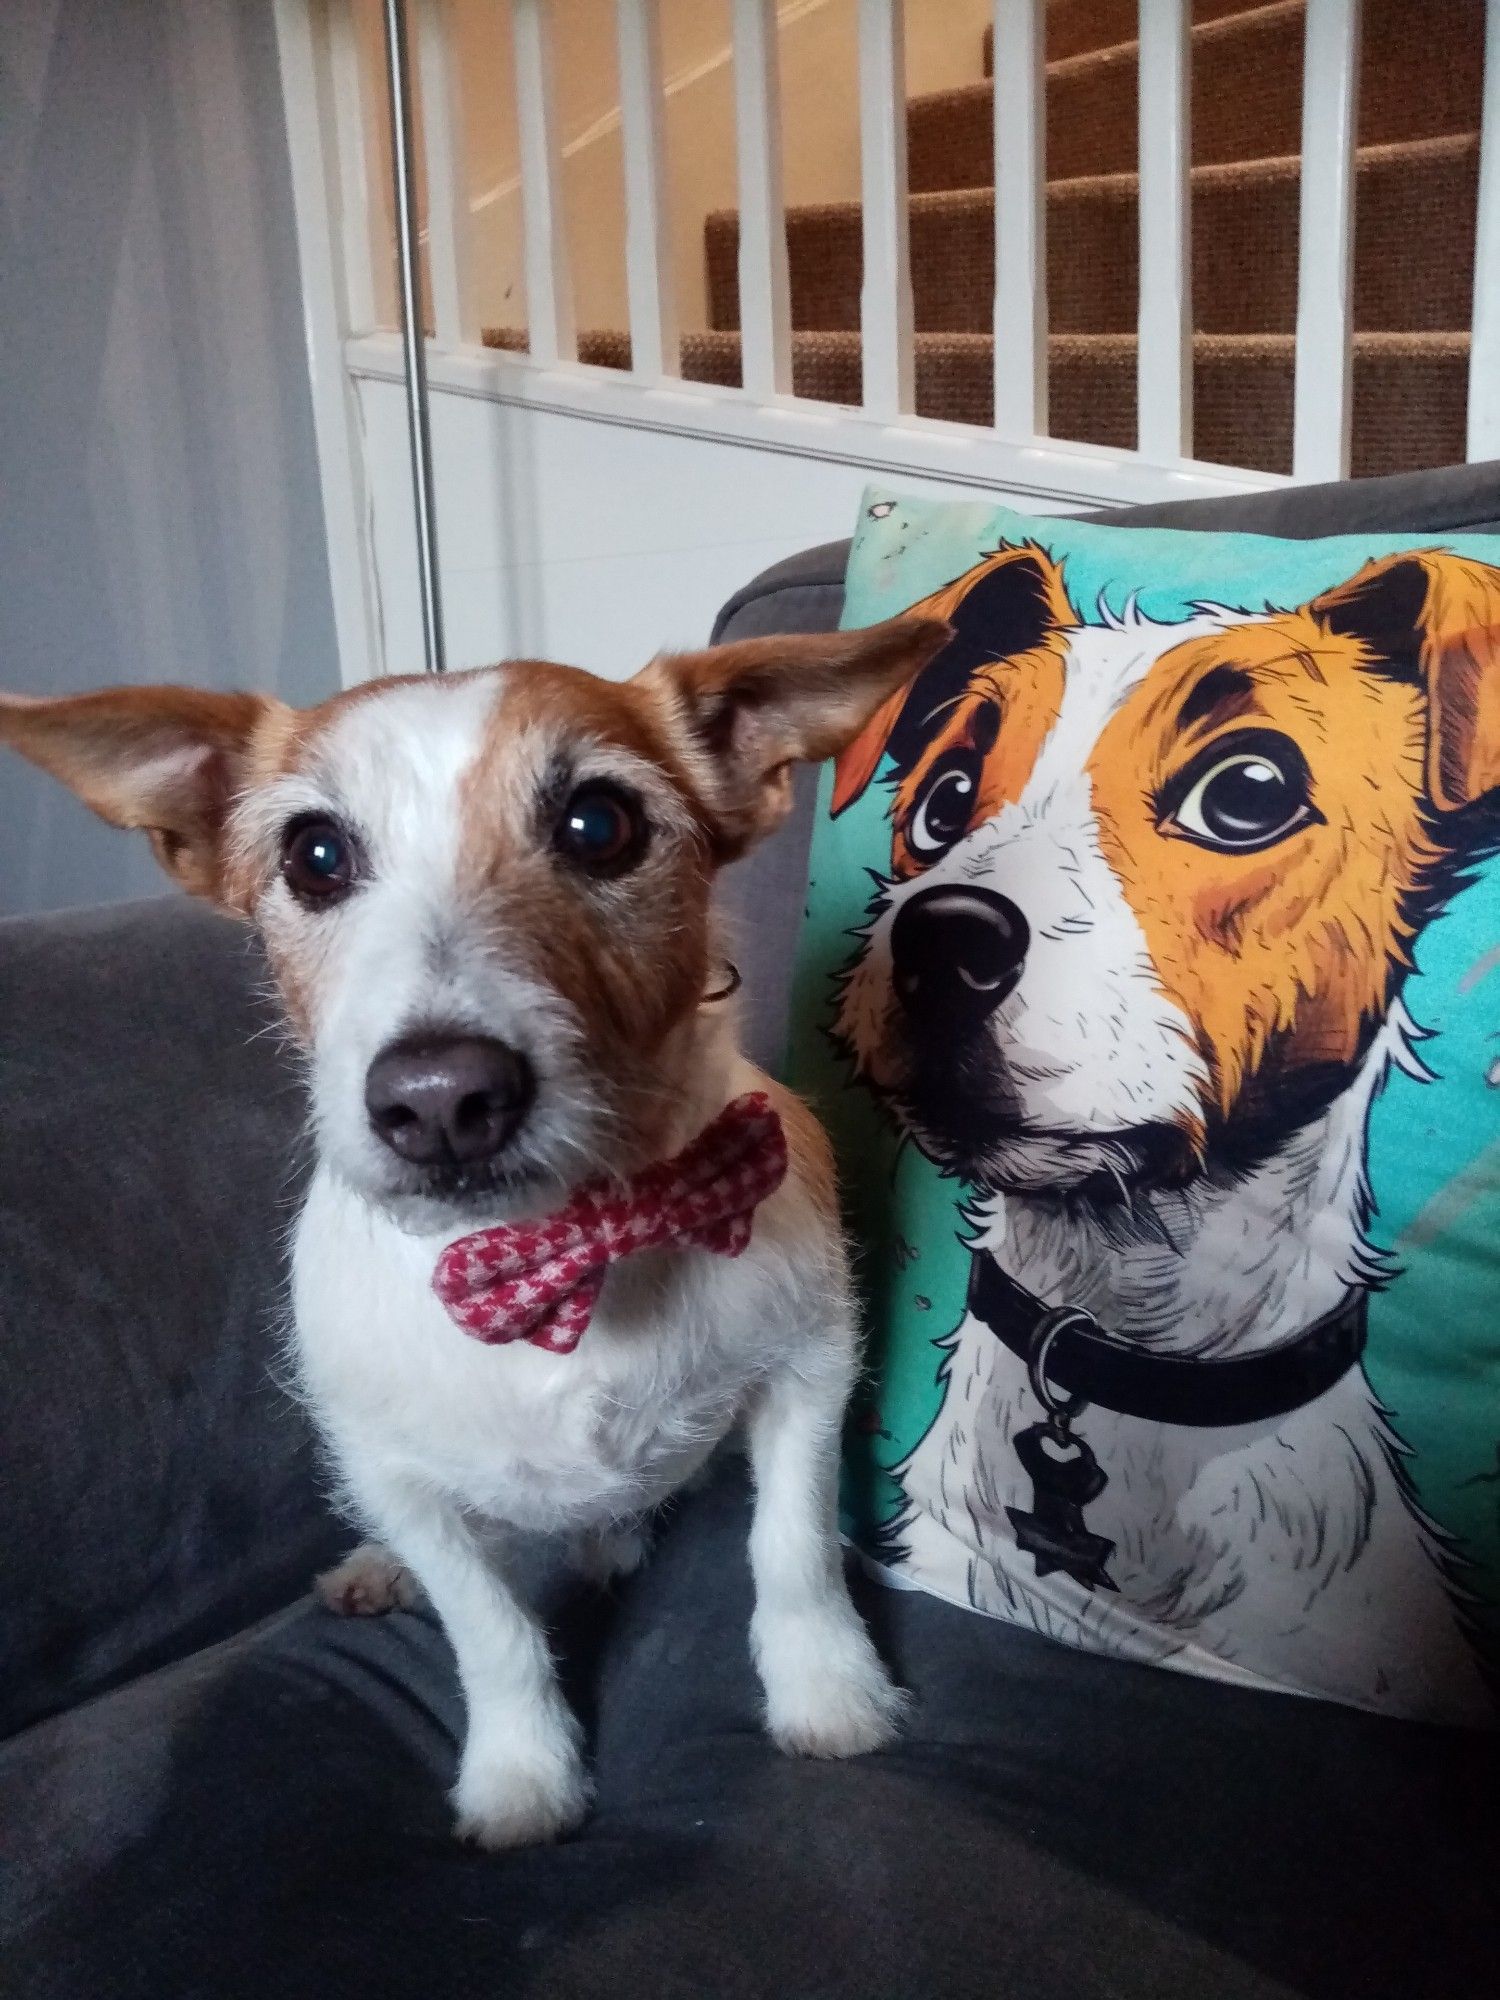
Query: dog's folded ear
{"points": [[745, 713], [1433, 619], [166, 759], [1005, 605]]}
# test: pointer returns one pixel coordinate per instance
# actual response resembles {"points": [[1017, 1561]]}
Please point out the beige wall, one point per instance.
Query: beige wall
{"points": [[819, 70]]}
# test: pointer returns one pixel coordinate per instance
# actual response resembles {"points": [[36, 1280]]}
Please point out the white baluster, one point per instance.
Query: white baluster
{"points": [[765, 288], [1325, 265], [552, 334], [1020, 218], [885, 305], [1164, 357], [1484, 351], [347, 110], [449, 256], [648, 235]]}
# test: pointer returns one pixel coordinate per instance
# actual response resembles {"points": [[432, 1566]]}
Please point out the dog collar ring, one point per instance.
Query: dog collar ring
{"points": [[732, 984], [1061, 1408]]}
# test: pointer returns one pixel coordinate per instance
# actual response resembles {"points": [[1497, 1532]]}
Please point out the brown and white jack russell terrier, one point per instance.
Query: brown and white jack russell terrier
{"points": [[486, 903], [1136, 977]]}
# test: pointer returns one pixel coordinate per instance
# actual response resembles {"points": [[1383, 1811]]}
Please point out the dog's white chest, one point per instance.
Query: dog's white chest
{"points": [[542, 1441]]}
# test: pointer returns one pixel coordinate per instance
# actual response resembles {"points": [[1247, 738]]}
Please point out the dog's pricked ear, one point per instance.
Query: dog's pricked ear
{"points": [[166, 759], [1434, 619], [753, 709], [1006, 605]]}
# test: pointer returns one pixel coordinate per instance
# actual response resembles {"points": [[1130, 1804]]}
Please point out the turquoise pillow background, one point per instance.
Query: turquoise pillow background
{"points": [[1434, 1346]]}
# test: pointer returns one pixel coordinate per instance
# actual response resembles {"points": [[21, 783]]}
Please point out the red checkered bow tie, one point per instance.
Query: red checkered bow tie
{"points": [[538, 1281]]}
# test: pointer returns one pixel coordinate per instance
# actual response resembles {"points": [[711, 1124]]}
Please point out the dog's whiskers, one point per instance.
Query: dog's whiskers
{"points": [[1126, 1197]]}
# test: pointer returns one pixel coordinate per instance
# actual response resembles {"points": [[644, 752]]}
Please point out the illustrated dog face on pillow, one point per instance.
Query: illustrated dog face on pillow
{"points": [[1153, 886]]}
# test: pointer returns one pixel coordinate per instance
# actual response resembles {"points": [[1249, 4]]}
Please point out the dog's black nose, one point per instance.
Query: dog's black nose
{"points": [[443, 1099], [956, 953]]}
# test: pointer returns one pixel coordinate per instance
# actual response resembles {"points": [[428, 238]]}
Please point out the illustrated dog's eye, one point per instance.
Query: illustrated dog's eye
{"points": [[603, 829], [1245, 794], [944, 806], [318, 860]]}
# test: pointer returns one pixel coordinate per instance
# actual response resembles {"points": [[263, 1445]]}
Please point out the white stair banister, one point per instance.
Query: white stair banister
{"points": [[765, 286], [449, 251], [1323, 389], [1164, 353], [346, 110], [552, 334], [885, 304], [1484, 351], [654, 349], [1020, 219]]}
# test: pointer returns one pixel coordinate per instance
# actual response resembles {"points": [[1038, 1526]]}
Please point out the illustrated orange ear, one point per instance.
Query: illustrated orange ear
{"points": [[1005, 605], [168, 759], [856, 766], [1434, 619], [753, 709]]}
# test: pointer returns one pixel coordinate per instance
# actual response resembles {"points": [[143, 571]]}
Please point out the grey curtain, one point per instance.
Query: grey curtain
{"points": [[159, 507]]}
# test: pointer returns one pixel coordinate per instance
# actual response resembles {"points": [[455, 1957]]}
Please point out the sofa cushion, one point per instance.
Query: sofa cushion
{"points": [[806, 594], [1170, 1009], [270, 1819], [159, 1483]]}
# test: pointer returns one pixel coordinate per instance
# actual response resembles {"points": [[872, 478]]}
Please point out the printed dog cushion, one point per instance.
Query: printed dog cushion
{"points": [[1151, 987]]}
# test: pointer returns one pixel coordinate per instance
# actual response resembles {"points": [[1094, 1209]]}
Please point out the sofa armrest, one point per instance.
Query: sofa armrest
{"points": [[160, 1485]]}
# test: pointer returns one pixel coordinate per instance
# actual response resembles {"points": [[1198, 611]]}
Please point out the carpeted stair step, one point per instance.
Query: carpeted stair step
{"points": [[1076, 26], [1420, 77], [1410, 389], [1413, 263]]}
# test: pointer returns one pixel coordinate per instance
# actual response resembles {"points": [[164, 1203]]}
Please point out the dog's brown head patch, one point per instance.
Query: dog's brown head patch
{"points": [[524, 853], [1282, 923]]}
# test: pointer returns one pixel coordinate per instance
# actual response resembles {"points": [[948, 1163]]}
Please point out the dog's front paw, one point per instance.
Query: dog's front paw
{"points": [[827, 1693], [367, 1583], [609, 1554], [503, 1801]]}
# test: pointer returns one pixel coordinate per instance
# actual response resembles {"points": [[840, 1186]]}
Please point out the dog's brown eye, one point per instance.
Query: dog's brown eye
{"points": [[317, 860], [603, 829]]}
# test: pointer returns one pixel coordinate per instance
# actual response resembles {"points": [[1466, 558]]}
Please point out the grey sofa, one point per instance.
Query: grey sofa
{"points": [[210, 1787]]}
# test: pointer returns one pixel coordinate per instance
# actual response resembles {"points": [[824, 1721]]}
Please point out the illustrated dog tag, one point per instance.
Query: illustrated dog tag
{"points": [[1064, 1480], [1064, 1474]]}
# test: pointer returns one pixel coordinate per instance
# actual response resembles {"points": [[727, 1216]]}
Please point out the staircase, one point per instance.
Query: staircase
{"points": [[1418, 140]]}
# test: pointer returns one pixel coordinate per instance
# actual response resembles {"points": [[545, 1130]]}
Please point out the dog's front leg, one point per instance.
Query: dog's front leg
{"points": [[827, 1694], [521, 1778]]}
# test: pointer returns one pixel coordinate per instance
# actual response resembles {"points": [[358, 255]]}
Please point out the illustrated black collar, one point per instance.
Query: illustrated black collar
{"points": [[1073, 1354]]}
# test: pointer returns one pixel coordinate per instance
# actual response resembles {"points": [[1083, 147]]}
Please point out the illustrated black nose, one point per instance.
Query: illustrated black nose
{"points": [[956, 953], [444, 1099]]}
